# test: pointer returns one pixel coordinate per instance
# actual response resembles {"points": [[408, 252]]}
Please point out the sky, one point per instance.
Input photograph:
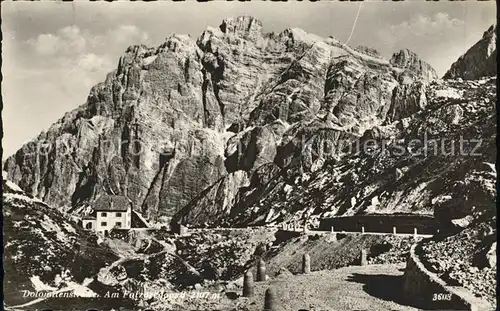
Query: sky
{"points": [[54, 52]]}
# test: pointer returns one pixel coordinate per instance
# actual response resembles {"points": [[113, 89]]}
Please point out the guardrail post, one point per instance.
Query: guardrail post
{"points": [[363, 261], [270, 300], [261, 271], [248, 284], [306, 264], [333, 237], [183, 230]]}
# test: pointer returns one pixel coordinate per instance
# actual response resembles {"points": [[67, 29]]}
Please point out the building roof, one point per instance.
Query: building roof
{"points": [[111, 203]]}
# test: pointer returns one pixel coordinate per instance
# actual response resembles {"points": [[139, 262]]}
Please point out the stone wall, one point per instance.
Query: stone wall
{"points": [[427, 291]]}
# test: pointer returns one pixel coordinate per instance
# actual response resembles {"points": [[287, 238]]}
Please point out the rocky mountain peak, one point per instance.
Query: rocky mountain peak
{"points": [[404, 57], [179, 126], [246, 129], [410, 61], [479, 61], [491, 37], [247, 27]]}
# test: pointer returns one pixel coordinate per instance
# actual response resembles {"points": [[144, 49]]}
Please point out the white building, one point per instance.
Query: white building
{"points": [[110, 212]]}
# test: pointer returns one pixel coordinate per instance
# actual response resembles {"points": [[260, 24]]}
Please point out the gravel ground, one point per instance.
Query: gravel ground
{"points": [[372, 287], [462, 259]]}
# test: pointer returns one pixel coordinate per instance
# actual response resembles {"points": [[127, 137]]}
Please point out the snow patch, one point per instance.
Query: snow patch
{"points": [[38, 285], [69, 228], [269, 215], [493, 169], [139, 215], [49, 225], [39, 232], [9, 197], [441, 199], [447, 93], [148, 60], [13, 186], [305, 37]]}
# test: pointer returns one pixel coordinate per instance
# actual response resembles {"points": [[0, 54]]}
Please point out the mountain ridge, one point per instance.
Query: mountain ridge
{"points": [[479, 60], [230, 107]]}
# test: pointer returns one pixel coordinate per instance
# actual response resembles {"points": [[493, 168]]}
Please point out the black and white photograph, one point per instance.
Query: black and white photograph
{"points": [[249, 155]]}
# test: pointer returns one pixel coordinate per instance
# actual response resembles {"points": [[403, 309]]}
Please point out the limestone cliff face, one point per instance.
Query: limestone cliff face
{"points": [[409, 64], [203, 128], [415, 164], [144, 132], [479, 61], [406, 100]]}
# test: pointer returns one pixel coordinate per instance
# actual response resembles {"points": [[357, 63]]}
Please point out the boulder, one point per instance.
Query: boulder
{"points": [[463, 222]]}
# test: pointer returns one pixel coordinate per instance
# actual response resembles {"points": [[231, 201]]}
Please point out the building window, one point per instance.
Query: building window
{"points": [[104, 224], [104, 214], [118, 214], [118, 224]]}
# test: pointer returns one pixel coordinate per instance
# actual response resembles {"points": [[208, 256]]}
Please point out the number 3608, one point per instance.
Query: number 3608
{"points": [[437, 297]]}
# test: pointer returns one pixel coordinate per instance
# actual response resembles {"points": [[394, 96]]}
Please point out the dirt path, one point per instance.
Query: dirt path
{"points": [[372, 287]]}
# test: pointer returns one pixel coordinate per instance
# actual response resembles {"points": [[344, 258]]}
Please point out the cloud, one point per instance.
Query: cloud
{"points": [[51, 73], [421, 28], [438, 38], [93, 63], [72, 41], [426, 35], [46, 44], [422, 25], [127, 34], [68, 40], [72, 51]]}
